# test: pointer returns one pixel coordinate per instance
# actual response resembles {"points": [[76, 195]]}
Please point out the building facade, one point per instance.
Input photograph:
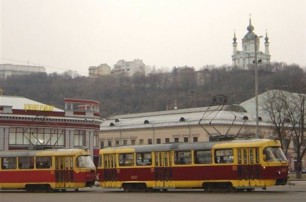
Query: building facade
{"points": [[27, 124], [250, 45], [7, 70], [129, 68], [101, 70], [179, 125]]}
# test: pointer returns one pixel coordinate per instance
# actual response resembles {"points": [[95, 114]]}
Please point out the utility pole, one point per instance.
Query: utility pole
{"points": [[256, 85]]}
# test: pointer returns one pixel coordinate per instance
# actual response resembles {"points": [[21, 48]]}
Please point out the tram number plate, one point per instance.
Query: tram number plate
{"points": [[134, 177]]}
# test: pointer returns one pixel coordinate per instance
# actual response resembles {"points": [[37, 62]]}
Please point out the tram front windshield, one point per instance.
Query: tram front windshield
{"points": [[85, 162], [274, 154]]}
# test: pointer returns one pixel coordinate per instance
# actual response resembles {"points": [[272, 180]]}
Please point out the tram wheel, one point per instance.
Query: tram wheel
{"points": [[48, 188], [29, 188], [232, 189], [207, 188], [150, 189], [127, 187]]}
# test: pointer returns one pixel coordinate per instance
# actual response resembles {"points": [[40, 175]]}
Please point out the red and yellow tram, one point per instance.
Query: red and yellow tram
{"points": [[226, 165], [46, 170]]}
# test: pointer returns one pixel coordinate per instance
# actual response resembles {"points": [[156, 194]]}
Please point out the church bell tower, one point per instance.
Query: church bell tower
{"points": [[246, 57]]}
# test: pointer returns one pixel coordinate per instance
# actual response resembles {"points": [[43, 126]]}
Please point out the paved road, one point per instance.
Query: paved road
{"points": [[293, 193]]}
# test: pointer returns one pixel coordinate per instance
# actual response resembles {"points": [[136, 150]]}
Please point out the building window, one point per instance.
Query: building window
{"points": [[117, 143], [186, 139], [158, 141], [167, 140], [109, 143], [195, 139], [101, 144], [176, 139], [124, 142], [34, 136], [79, 138], [133, 142], [141, 141], [96, 139], [149, 141]]}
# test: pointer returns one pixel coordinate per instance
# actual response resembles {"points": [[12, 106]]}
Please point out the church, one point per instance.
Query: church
{"points": [[250, 45]]}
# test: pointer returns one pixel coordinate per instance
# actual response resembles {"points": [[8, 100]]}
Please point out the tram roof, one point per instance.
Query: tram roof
{"points": [[49, 152], [184, 146]]}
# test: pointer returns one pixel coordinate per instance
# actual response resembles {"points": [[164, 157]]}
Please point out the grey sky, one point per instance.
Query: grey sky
{"points": [[76, 34]]}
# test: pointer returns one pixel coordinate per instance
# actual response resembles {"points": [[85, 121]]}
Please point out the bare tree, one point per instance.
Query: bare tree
{"points": [[275, 104], [296, 115], [287, 113]]}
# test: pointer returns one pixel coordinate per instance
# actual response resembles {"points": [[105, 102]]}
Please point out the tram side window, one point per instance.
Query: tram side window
{"points": [[202, 157], [224, 156], [182, 157], [126, 159], [26, 162], [8, 163], [143, 159], [43, 162]]}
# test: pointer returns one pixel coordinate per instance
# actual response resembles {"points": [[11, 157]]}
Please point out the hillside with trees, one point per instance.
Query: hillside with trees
{"points": [[158, 90]]}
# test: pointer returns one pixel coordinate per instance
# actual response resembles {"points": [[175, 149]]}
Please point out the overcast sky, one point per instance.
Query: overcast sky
{"points": [[75, 34]]}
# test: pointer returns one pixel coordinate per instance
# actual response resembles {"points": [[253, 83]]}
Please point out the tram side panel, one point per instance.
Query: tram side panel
{"points": [[46, 170], [241, 165]]}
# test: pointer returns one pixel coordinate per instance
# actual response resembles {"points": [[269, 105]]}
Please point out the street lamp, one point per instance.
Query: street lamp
{"points": [[256, 85]]}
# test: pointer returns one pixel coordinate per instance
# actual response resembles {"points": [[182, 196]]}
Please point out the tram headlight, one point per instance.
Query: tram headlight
{"points": [[97, 177], [279, 172]]}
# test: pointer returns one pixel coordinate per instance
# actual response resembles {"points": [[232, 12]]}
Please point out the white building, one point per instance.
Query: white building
{"points": [[101, 70], [129, 67], [246, 57], [7, 70], [71, 73], [178, 125]]}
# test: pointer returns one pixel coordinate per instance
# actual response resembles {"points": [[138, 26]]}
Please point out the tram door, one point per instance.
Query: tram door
{"points": [[248, 166], [163, 170], [109, 178], [63, 171]]}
